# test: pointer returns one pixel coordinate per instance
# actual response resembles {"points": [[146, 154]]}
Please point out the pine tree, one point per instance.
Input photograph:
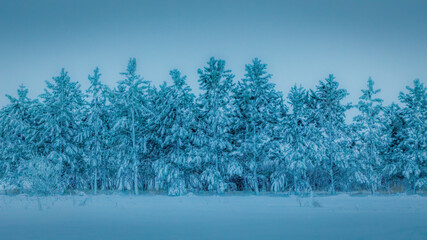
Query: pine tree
{"points": [[16, 131], [214, 114], [255, 115], [392, 155], [130, 105], [174, 107], [59, 124], [96, 126], [370, 139], [301, 151], [330, 115], [415, 135]]}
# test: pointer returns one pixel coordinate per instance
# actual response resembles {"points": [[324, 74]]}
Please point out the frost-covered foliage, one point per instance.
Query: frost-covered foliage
{"points": [[414, 135], [302, 152], [95, 132], [329, 116], [172, 127], [240, 136], [130, 130], [58, 122], [17, 145], [256, 113], [368, 128], [214, 121]]}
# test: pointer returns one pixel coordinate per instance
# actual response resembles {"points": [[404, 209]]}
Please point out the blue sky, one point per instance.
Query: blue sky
{"points": [[301, 41]]}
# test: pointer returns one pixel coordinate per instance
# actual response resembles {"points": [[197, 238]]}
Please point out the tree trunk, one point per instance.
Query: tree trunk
{"points": [[256, 184], [254, 149], [331, 172], [135, 164]]}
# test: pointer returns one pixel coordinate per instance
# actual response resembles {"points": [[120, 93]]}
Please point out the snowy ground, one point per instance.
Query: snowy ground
{"points": [[212, 217]]}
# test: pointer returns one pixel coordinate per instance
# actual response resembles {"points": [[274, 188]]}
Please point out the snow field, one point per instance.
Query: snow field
{"points": [[213, 217]]}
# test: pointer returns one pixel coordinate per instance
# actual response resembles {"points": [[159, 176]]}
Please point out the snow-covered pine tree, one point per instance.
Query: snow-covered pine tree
{"points": [[96, 129], [174, 109], [131, 114], [414, 144], [330, 117], [16, 131], [214, 118], [369, 127], [59, 124], [301, 150], [255, 108], [393, 125]]}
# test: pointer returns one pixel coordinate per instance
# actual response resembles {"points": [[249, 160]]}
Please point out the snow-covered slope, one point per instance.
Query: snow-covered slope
{"points": [[212, 217]]}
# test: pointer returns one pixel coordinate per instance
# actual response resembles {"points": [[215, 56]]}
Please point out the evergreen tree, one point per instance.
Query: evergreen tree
{"points": [[392, 155], [370, 139], [96, 126], [16, 131], [415, 135], [59, 124], [130, 106], [330, 117], [256, 113], [214, 114], [174, 108], [301, 151]]}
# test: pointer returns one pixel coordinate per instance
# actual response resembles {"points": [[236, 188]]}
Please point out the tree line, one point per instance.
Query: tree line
{"points": [[235, 136]]}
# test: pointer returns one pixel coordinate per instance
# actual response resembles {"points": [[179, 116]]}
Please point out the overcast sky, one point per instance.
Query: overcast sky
{"points": [[301, 41]]}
